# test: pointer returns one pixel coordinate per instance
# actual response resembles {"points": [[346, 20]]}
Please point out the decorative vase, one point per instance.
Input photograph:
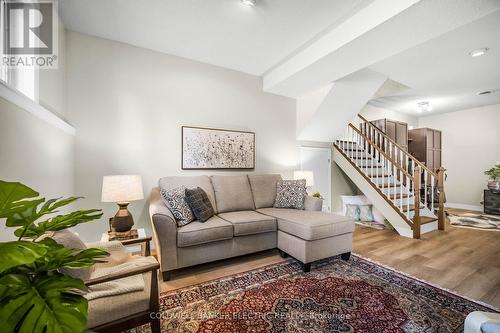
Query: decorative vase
{"points": [[493, 185]]}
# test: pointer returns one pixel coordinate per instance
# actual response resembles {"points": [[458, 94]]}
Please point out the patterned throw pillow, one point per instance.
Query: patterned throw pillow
{"points": [[366, 213], [290, 194], [352, 211], [175, 200], [199, 203]]}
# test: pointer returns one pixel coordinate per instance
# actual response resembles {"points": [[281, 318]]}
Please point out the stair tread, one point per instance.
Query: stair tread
{"points": [[399, 195], [386, 185], [411, 208], [427, 219]]}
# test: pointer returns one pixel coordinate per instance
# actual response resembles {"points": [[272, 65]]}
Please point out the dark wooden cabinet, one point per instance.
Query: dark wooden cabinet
{"points": [[425, 146], [395, 130], [492, 202]]}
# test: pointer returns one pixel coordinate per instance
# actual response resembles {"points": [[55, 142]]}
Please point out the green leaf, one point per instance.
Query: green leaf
{"points": [[26, 217], [61, 222], [46, 304], [51, 205], [59, 256], [11, 198], [13, 254]]}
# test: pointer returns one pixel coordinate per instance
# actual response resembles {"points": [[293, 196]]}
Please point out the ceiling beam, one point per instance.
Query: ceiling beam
{"points": [[380, 30]]}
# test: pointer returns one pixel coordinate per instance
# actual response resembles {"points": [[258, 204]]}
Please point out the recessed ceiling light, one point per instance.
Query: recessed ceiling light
{"points": [[250, 3], [487, 92], [479, 52], [424, 107]]}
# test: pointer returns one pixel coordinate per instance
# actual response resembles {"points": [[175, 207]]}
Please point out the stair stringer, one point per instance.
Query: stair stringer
{"points": [[399, 224]]}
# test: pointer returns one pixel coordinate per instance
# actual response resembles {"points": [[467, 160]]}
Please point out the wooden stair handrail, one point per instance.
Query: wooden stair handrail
{"points": [[381, 151], [417, 162]]}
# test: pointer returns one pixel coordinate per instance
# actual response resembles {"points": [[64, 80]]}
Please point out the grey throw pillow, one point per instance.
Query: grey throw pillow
{"points": [[70, 240], [199, 203], [175, 200], [290, 194]]}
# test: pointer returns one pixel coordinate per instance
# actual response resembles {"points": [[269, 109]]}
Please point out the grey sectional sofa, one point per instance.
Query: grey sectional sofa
{"points": [[245, 222]]}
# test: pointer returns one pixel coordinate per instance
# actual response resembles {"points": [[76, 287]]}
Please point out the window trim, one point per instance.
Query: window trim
{"points": [[17, 98]]}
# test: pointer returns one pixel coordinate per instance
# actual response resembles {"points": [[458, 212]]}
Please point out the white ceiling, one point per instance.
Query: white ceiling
{"points": [[218, 32], [442, 72], [259, 40]]}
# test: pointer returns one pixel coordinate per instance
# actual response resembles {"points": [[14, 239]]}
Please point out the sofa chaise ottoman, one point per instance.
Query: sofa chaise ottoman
{"points": [[245, 222]]}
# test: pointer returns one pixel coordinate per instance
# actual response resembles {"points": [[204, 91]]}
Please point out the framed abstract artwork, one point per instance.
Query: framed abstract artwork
{"points": [[212, 148]]}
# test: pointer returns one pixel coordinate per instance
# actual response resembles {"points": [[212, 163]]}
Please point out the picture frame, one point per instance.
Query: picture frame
{"points": [[205, 148]]}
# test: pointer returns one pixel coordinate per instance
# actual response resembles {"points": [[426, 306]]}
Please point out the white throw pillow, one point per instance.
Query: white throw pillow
{"points": [[361, 200]]}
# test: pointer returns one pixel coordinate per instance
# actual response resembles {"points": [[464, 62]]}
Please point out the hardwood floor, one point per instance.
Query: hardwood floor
{"points": [[466, 261]]}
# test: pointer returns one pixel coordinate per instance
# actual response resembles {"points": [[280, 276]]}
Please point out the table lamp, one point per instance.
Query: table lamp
{"points": [[122, 189], [304, 174]]}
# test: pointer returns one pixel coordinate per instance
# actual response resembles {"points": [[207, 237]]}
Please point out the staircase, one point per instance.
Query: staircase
{"points": [[410, 195]]}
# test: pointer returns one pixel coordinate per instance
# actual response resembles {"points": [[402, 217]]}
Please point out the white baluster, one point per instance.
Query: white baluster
{"points": [[408, 200], [400, 189], [425, 187], [432, 194], [371, 177]]}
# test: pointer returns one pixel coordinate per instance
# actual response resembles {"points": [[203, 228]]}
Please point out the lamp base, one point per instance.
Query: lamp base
{"points": [[122, 221]]}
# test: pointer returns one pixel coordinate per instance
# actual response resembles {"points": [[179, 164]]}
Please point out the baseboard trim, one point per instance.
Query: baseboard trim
{"points": [[463, 206]]}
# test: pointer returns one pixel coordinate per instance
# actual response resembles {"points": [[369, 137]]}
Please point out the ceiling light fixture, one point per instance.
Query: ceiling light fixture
{"points": [[250, 3], [479, 52], [487, 92], [424, 107]]}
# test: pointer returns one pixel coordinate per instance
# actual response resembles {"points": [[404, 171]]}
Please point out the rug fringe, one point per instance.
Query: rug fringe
{"points": [[492, 307]]}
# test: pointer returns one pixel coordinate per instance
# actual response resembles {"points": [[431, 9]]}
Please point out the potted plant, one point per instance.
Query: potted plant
{"points": [[317, 195], [34, 295], [494, 174]]}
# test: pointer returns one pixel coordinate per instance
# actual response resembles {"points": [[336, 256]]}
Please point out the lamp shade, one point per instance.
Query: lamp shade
{"points": [[304, 174], [121, 188]]}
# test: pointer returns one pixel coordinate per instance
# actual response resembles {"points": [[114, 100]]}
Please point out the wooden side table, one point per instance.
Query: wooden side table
{"points": [[142, 239]]}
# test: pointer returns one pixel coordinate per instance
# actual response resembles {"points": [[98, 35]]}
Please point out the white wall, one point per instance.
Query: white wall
{"points": [[128, 105], [471, 144], [52, 82], [34, 153]]}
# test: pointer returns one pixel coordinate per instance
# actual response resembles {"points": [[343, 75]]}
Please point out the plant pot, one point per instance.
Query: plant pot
{"points": [[493, 185]]}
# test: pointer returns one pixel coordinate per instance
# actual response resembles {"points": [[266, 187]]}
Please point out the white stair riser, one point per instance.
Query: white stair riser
{"points": [[391, 190]]}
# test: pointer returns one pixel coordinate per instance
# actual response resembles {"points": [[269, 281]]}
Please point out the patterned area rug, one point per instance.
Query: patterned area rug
{"points": [[478, 221], [336, 296]]}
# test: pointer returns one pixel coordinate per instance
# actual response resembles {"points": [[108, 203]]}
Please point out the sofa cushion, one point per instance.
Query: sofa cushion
{"points": [[232, 193], [196, 232], [168, 183], [263, 189], [290, 194], [249, 222], [310, 225], [199, 203]]}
